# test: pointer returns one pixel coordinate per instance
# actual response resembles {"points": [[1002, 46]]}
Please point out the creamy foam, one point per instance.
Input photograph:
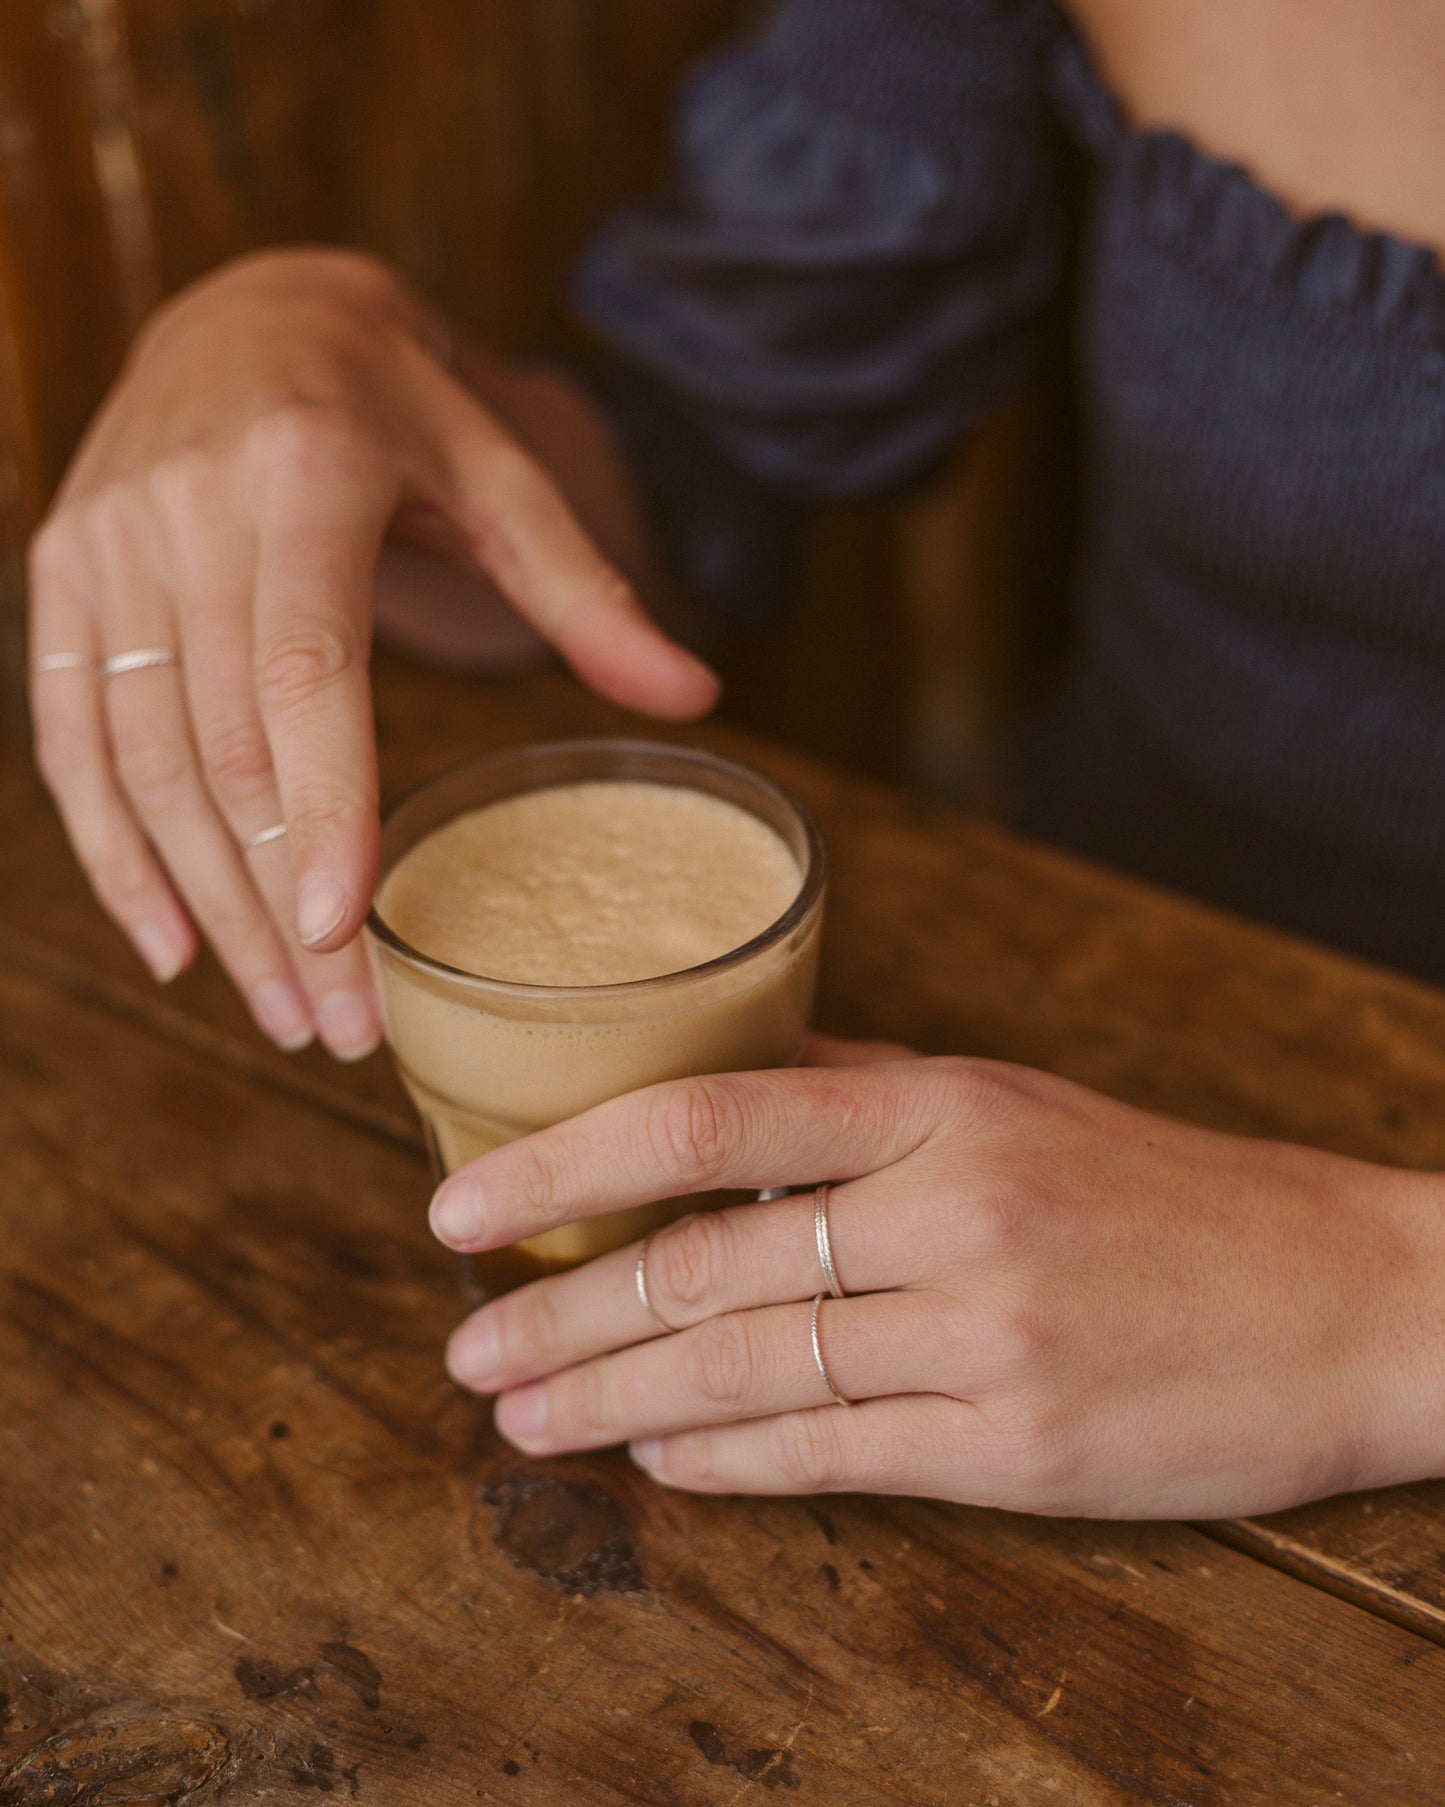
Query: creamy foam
{"points": [[591, 884]]}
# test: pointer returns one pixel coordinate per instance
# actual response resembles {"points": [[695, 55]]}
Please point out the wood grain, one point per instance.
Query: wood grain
{"points": [[946, 933], [254, 1544]]}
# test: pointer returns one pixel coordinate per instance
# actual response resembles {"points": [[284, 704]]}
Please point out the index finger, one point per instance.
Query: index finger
{"points": [[319, 543], [777, 1128]]}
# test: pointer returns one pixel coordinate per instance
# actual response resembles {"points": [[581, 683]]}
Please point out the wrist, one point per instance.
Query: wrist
{"points": [[1399, 1428]]}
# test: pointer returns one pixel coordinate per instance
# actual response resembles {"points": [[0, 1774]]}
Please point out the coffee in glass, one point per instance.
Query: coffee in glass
{"points": [[562, 923]]}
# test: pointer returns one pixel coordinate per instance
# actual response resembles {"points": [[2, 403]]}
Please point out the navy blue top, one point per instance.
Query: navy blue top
{"points": [[865, 231]]}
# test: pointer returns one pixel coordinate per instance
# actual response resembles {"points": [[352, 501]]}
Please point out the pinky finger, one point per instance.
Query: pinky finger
{"points": [[890, 1445], [74, 759]]}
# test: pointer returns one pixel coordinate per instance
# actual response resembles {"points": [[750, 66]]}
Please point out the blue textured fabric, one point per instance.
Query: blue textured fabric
{"points": [[865, 232]]}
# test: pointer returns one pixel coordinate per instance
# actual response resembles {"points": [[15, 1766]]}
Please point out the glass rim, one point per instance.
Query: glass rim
{"points": [[809, 891]]}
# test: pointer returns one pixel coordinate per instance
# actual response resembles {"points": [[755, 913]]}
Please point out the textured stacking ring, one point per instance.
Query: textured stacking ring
{"points": [[62, 662], [641, 1278], [818, 1354], [824, 1241], [264, 836], [141, 659]]}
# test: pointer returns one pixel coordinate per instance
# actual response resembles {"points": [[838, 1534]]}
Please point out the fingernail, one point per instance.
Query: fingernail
{"points": [[348, 1024], [319, 908], [646, 1452], [474, 1355], [456, 1215], [521, 1416], [160, 951], [281, 1011]]}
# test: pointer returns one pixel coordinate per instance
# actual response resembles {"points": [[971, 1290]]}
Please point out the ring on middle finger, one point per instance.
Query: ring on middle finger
{"points": [[264, 836], [640, 1276]]}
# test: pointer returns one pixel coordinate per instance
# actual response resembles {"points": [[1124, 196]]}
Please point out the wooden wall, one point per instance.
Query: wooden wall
{"points": [[474, 143]]}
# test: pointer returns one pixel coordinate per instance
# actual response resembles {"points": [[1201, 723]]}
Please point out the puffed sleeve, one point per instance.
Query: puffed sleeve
{"points": [[848, 269]]}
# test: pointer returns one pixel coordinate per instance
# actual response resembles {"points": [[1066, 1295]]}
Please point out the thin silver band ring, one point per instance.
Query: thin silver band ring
{"points": [[824, 1241], [264, 836], [140, 659], [62, 662], [641, 1278], [818, 1354]]}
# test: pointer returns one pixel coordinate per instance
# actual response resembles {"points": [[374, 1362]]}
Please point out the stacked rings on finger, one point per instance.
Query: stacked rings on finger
{"points": [[641, 1278], [141, 658], [824, 1241]]}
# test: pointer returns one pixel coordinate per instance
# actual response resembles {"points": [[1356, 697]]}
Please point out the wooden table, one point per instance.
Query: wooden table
{"points": [[254, 1547]]}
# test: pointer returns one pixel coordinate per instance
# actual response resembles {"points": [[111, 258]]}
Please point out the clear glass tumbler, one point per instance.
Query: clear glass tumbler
{"points": [[486, 1060]]}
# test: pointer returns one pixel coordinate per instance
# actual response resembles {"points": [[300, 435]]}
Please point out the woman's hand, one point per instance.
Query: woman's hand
{"points": [[273, 425], [1056, 1303]]}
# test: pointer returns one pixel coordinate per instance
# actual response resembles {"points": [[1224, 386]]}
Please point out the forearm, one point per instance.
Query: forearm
{"points": [[1402, 1286]]}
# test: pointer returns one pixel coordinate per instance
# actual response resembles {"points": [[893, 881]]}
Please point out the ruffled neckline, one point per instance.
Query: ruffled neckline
{"points": [[1222, 216]]}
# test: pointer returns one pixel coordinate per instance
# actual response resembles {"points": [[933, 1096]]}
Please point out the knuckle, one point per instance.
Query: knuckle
{"points": [[301, 663], [1006, 1214], [585, 1407], [723, 1363], [691, 1126], [689, 1262], [151, 767], [297, 438], [980, 1092], [807, 1451], [534, 1185], [236, 755], [322, 819], [1022, 1334], [183, 484], [121, 880], [533, 1326]]}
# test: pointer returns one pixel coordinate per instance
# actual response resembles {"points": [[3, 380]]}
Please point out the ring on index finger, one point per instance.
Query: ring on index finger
{"points": [[825, 1241]]}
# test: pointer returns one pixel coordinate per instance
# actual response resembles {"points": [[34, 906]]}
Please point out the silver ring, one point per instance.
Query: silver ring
{"points": [[824, 1241], [264, 836], [641, 1278], [818, 1354], [141, 659], [62, 662]]}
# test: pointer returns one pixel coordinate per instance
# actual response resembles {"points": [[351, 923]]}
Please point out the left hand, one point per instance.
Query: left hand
{"points": [[1056, 1303]]}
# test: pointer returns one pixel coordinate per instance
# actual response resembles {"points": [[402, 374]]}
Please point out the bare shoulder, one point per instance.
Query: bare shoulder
{"points": [[1332, 104]]}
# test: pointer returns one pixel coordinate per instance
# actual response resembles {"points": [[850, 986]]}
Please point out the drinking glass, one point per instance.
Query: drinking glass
{"points": [[486, 1059]]}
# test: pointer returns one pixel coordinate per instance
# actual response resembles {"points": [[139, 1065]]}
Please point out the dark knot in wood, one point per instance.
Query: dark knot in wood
{"points": [[774, 1768], [572, 1533], [157, 1760]]}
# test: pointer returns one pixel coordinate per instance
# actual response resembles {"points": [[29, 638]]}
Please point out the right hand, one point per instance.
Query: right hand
{"points": [[272, 426]]}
